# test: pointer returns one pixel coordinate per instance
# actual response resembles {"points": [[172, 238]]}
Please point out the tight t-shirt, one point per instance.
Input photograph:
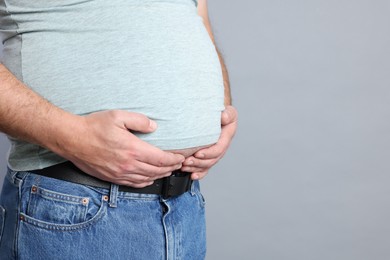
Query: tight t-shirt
{"points": [[153, 57]]}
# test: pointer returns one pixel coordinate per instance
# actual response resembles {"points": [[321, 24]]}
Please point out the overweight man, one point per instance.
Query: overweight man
{"points": [[115, 110]]}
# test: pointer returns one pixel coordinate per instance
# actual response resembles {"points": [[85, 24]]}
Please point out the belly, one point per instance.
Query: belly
{"points": [[152, 57]]}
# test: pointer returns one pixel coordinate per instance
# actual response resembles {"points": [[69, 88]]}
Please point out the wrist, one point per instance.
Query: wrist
{"points": [[66, 135]]}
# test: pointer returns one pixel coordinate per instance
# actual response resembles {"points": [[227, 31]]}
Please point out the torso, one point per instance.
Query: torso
{"points": [[148, 56]]}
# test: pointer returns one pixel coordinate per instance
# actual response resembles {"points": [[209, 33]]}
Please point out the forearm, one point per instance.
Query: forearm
{"points": [[27, 116], [226, 82], [203, 12]]}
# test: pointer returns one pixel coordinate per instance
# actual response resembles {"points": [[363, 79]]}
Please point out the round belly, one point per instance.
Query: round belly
{"points": [[152, 57]]}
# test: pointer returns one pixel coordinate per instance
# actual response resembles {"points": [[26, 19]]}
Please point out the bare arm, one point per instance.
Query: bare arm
{"points": [[204, 159], [24, 114], [203, 12], [99, 143]]}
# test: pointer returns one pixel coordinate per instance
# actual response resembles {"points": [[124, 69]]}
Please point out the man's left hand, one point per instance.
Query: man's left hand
{"points": [[200, 163]]}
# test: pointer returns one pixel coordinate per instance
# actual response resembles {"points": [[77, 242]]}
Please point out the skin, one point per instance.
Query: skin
{"points": [[100, 143]]}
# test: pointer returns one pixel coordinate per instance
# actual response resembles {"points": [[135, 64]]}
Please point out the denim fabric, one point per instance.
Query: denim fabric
{"points": [[44, 218]]}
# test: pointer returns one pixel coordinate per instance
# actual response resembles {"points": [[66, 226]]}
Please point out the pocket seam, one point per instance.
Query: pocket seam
{"points": [[2, 221], [57, 196], [201, 199], [66, 227], [37, 193]]}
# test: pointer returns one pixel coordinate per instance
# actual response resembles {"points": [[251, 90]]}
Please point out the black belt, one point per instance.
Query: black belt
{"points": [[176, 184]]}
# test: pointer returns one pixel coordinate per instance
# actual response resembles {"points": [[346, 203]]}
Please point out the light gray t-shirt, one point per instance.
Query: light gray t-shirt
{"points": [[149, 56]]}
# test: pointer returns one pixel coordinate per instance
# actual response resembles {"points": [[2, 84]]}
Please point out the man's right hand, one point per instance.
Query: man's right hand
{"points": [[100, 143], [104, 147]]}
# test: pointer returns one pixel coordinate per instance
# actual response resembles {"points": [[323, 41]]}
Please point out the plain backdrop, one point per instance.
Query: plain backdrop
{"points": [[307, 176]]}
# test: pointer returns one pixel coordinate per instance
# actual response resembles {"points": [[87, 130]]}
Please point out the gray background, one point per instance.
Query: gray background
{"points": [[307, 176]]}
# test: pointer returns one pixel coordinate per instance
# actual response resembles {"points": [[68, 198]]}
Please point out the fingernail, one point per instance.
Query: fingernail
{"points": [[226, 115], [195, 177], [152, 124], [201, 155], [182, 158], [190, 162]]}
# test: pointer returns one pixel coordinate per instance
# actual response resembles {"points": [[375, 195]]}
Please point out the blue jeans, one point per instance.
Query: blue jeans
{"points": [[45, 218]]}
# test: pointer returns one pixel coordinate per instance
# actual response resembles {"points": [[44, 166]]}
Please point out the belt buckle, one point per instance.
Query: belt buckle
{"points": [[182, 181], [166, 187]]}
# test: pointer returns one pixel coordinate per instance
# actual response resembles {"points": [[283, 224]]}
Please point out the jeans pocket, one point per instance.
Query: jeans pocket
{"points": [[55, 207], [2, 220], [59, 205]]}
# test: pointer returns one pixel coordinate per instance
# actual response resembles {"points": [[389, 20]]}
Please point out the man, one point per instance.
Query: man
{"points": [[91, 175]]}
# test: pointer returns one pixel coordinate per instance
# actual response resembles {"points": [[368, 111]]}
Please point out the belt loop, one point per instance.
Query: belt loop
{"points": [[113, 195], [12, 175], [16, 177], [194, 186]]}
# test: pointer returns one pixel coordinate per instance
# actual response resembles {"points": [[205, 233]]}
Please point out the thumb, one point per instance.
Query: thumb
{"points": [[229, 115], [139, 123]]}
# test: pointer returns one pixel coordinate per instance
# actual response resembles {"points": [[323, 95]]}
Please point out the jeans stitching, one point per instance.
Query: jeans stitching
{"points": [[2, 221], [70, 227]]}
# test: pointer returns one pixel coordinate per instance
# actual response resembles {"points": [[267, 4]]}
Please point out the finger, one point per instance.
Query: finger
{"points": [[193, 169], [199, 163], [213, 152], [136, 180], [150, 172], [229, 115], [137, 122], [134, 185], [139, 180], [188, 160], [198, 175], [152, 155], [218, 149]]}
